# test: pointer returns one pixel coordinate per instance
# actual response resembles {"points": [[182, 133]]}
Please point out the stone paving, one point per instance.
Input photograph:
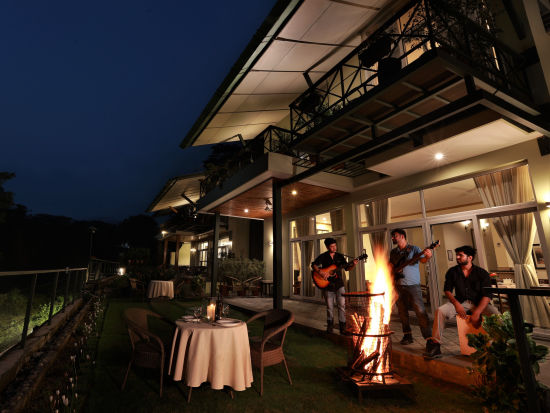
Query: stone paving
{"points": [[313, 315]]}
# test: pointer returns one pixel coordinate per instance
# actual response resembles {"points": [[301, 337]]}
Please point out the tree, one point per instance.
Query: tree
{"points": [[6, 198], [138, 233]]}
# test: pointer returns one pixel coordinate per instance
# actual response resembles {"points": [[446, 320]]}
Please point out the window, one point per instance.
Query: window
{"points": [[454, 197], [449, 198], [395, 209], [301, 227], [224, 247], [405, 207], [327, 222], [203, 253], [307, 241]]}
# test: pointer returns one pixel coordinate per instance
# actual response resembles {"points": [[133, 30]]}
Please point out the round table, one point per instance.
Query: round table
{"points": [[211, 353], [159, 288]]}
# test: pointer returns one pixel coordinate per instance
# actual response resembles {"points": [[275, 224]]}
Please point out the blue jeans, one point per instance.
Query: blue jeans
{"points": [[411, 296], [330, 296]]}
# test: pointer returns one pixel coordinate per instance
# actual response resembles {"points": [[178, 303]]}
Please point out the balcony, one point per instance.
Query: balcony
{"points": [[271, 139], [460, 32], [425, 61]]}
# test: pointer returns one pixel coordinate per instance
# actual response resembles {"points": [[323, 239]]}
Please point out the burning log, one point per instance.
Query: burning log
{"points": [[359, 339], [362, 361]]}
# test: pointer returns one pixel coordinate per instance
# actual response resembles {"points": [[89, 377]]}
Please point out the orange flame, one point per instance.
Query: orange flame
{"points": [[383, 283], [380, 306]]}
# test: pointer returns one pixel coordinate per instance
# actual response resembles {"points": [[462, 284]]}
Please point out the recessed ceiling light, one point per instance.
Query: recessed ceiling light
{"points": [[294, 192], [438, 156], [246, 210]]}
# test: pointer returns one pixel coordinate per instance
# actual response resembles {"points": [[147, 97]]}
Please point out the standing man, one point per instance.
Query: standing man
{"points": [[335, 289], [467, 280], [408, 285]]}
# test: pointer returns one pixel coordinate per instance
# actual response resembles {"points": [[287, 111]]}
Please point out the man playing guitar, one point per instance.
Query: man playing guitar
{"points": [[407, 283], [335, 289]]}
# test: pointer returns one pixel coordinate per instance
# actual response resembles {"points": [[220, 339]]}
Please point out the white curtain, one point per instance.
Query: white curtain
{"points": [[376, 213], [304, 226], [337, 219], [517, 233]]}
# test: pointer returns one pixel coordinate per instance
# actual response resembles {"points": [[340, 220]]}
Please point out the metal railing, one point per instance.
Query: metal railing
{"points": [[463, 29], [98, 269], [30, 299], [271, 139]]}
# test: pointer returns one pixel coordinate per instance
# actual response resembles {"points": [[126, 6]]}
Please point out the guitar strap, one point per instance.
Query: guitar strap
{"points": [[403, 256]]}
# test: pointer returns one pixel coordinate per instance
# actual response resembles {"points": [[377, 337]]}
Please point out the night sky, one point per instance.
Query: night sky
{"points": [[97, 96]]}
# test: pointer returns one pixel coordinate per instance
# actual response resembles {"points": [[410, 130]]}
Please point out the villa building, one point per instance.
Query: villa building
{"points": [[358, 117]]}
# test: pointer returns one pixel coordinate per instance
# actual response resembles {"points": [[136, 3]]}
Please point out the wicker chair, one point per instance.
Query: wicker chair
{"points": [[147, 348], [138, 287], [268, 350]]}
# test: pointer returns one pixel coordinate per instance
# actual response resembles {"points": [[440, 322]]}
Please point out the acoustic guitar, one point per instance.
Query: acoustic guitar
{"points": [[322, 282], [398, 268]]}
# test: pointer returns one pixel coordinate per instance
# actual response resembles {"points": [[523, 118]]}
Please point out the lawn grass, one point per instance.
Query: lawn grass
{"points": [[312, 363]]}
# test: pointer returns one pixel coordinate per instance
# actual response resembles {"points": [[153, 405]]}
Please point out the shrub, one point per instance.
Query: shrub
{"points": [[496, 365], [242, 271]]}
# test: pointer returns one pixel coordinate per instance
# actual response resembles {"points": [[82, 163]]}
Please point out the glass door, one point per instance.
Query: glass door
{"points": [[506, 239], [370, 242], [450, 235], [342, 248], [416, 235], [309, 290], [303, 254], [296, 269]]}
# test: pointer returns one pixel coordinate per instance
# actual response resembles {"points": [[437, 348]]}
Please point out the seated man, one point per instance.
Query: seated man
{"points": [[468, 281]]}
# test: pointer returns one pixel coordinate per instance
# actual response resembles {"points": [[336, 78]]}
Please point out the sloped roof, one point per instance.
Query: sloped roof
{"points": [[298, 36], [170, 195]]}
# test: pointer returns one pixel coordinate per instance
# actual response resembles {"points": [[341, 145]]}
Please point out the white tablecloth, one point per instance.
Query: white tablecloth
{"points": [[215, 354], [160, 289]]}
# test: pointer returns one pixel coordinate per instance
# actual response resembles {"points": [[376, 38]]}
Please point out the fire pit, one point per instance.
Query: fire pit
{"points": [[370, 344], [370, 347]]}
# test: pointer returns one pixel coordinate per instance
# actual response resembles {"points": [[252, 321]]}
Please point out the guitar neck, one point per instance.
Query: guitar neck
{"points": [[411, 261]]}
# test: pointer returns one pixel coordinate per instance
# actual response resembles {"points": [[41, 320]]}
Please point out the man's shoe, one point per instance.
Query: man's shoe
{"points": [[433, 350], [343, 329], [406, 340], [329, 326]]}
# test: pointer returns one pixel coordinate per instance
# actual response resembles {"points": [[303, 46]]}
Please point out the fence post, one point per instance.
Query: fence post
{"points": [[82, 280], [54, 293], [75, 285], [67, 281], [29, 308]]}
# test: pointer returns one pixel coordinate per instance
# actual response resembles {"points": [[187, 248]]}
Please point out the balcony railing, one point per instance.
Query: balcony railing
{"points": [[462, 28], [271, 139]]}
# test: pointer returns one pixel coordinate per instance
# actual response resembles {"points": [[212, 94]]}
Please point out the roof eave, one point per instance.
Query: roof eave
{"points": [[167, 186], [272, 25]]}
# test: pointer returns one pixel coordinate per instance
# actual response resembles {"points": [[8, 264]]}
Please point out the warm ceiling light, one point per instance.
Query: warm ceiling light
{"points": [[246, 210], [294, 192], [163, 232], [438, 156]]}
